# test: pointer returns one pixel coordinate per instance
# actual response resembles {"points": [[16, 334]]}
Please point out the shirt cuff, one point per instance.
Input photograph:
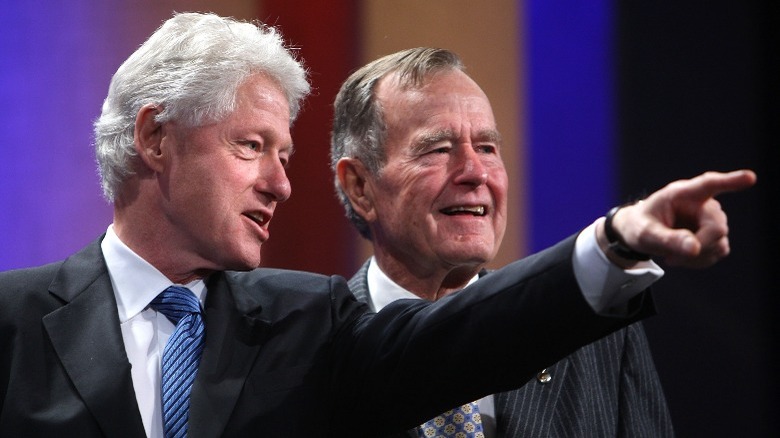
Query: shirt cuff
{"points": [[605, 286]]}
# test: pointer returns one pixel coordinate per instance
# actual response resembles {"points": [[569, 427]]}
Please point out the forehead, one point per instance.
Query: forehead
{"points": [[261, 91], [261, 108], [444, 98]]}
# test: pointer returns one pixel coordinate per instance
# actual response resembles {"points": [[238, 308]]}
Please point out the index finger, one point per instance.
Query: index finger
{"points": [[710, 184]]}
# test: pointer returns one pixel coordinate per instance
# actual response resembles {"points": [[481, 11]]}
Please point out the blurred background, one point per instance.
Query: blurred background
{"points": [[599, 102]]}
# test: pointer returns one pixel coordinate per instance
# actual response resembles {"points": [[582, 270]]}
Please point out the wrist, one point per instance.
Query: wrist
{"points": [[615, 243]]}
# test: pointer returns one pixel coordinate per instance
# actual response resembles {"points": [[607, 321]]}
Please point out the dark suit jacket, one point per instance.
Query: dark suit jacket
{"points": [[287, 354], [609, 388]]}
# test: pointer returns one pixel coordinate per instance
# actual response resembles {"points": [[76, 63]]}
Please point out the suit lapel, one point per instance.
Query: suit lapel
{"points": [[86, 337], [234, 335]]}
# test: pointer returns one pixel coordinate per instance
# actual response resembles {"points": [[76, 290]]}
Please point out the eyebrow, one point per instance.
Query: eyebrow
{"points": [[433, 137], [490, 135]]}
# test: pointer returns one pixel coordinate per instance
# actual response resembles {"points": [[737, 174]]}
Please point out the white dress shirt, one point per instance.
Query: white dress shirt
{"points": [[606, 287], [144, 331]]}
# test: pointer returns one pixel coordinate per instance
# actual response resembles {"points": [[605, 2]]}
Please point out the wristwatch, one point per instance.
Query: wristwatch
{"points": [[616, 244]]}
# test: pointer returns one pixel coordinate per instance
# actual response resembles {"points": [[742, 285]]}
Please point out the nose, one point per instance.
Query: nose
{"points": [[471, 168], [272, 181]]}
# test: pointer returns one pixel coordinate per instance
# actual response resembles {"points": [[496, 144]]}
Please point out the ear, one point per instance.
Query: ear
{"points": [[355, 182], [148, 136]]}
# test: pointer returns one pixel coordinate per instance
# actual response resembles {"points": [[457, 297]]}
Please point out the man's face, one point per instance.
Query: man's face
{"points": [[225, 180], [440, 200]]}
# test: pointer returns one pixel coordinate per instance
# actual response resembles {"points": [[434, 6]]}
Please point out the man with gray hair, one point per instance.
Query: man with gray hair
{"points": [[165, 326], [417, 159]]}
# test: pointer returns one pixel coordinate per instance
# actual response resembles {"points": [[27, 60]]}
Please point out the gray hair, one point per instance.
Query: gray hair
{"points": [[359, 129], [191, 68]]}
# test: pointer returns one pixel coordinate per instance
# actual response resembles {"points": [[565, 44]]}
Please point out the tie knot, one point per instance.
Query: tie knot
{"points": [[175, 303]]}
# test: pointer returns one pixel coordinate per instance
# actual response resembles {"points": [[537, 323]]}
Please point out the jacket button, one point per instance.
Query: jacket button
{"points": [[544, 376]]}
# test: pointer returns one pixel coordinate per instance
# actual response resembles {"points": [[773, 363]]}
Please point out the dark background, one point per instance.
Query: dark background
{"points": [[698, 90]]}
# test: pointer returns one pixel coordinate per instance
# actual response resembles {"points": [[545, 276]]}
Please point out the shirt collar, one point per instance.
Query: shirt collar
{"points": [[136, 282], [384, 290]]}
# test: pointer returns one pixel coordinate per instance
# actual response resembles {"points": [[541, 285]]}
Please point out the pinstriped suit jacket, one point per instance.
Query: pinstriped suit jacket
{"points": [[609, 388]]}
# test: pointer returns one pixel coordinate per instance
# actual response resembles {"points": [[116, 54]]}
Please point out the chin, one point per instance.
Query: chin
{"points": [[468, 259], [244, 261], [252, 263], [243, 268], [471, 251]]}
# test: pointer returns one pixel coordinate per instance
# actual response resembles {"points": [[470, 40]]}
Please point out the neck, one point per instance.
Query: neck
{"points": [[429, 283], [140, 230]]}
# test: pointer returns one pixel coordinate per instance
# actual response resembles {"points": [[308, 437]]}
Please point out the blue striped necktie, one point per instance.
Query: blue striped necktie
{"points": [[180, 357]]}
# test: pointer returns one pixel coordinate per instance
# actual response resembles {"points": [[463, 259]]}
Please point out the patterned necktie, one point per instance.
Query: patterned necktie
{"points": [[180, 357], [461, 422]]}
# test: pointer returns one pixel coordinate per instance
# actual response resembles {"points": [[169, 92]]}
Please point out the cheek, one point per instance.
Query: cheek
{"points": [[212, 204], [420, 185], [390, 192], [499, 187]]}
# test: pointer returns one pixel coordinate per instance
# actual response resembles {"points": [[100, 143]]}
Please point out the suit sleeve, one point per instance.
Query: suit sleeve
{"points": [[524, 317]]}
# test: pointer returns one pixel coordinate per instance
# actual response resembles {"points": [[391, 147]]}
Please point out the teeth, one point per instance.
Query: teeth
{"points": [[475, 210], [257, 217]]}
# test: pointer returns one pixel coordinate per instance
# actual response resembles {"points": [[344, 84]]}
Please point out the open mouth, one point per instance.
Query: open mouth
{"points": [[258, 218], [473, 210]]}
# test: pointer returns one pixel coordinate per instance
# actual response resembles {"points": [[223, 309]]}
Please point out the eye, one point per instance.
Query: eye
{"points": [[439, 149], [285, 154], [486, 149], [252, 145]]}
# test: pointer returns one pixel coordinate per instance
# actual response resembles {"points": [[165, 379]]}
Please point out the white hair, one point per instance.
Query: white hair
{"points": [[190, 68]]}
